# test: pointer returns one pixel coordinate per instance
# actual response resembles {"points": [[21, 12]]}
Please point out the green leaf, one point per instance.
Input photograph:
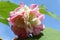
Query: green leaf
{"points": [[5, 8], [53, 15], [42, 7], [3, 20], [43, 10]]}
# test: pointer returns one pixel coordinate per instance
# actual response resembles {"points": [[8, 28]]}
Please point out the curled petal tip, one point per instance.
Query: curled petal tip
{"points": [[21, 4]]}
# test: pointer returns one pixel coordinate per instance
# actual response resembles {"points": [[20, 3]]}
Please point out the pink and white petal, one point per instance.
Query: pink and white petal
{"points": [[37, 29], [37, 14], [41, 17], [12, 13], [34, 7], [42, 27], [17, 9], [9, 19], [21, 4]]}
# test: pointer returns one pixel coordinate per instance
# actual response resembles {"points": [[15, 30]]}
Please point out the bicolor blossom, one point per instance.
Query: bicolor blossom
{"points": [[26, 20]]}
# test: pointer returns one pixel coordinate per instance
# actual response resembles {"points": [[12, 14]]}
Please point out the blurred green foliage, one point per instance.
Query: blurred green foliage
{"points": [[5, 8], [43, 10]]}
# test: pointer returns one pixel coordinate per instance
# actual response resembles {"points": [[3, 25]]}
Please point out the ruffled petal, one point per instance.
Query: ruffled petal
{"points": [[22, 5], [37, 29], [41, 17], [34, 7]]}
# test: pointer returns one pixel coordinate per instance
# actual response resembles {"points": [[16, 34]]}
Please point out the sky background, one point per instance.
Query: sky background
{"points": [[52, 5]]}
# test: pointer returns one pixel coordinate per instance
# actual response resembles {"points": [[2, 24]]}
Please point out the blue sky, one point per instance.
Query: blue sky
{"points": [[52, 5]]}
